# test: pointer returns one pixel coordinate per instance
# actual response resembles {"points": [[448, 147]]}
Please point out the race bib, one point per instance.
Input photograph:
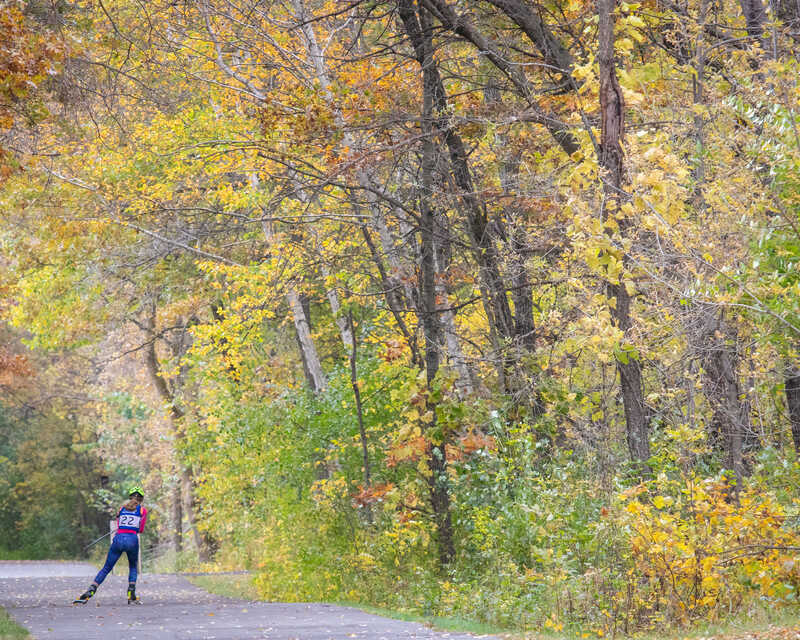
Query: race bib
{"points": [[129, 521]]}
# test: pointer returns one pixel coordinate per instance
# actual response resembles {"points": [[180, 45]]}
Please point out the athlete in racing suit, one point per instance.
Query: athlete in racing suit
{"points": [[131, 519]]}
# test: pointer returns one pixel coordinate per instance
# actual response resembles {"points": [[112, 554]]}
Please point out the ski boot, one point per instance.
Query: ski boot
{"points": [[132, 599], [84, 598]]}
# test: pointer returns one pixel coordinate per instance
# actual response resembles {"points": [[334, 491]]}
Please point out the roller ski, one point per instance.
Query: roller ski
{"points": [[132, 599], [84, 597]]}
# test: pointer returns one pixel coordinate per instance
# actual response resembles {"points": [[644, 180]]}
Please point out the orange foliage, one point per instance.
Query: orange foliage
{"points": [[409, 451], [25, 60], [13, 366], [469, 444], [371, 495], [414, 449], [393, 350]]}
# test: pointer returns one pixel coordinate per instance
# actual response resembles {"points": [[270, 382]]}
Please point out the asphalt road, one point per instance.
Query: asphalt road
{"points": [[39, 596]]}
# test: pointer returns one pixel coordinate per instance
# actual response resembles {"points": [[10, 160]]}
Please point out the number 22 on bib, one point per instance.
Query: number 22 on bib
{"points": [[130, 519]]}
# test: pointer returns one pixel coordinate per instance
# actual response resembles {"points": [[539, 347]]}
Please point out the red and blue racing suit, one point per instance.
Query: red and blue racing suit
{"points": [[129, 525]]}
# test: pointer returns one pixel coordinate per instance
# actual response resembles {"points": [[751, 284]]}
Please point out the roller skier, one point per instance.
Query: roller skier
{"points": [[131, 519]]}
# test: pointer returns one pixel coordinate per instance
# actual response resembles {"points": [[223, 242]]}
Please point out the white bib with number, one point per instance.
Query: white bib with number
{"points": [[129, 521]]}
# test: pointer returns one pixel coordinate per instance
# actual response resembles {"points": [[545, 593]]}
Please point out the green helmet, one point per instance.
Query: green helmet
{"points": [[136, 489]]}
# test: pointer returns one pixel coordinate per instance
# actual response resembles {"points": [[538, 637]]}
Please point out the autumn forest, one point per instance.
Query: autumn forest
{"points": [[476, 308]]}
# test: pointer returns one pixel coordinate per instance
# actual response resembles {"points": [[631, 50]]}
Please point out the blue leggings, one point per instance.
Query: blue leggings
{"points": [[123, 542]]}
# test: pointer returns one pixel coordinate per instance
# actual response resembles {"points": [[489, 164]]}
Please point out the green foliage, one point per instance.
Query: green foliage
{"points": [[539, 545], [45, 484]]}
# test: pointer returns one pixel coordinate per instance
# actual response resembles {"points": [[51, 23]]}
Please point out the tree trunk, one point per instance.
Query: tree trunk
{"points": [[502, 325], [612, 163], [446, 314], [555, 54], [484, 247], [454, 351], [755, 16], [316, 376], [432, 329], [399, 267], [522, 291], [151, 360], [455, 355], [189, 509], [336, 309], [312, 366], [393, 298], [512, 231], [637, 418], [438, 481], [723, 392], [792, 390], [789, 13], [177, 516], [183, 496], [726, 430], [360, 412], [557, 57]]}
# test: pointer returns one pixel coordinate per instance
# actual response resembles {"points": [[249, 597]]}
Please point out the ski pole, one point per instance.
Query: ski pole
{"points": [[96, 541]]}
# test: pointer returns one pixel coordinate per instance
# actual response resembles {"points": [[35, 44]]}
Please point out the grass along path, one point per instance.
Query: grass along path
{"points": [[241, 586], [10, 630], [756, 623]]}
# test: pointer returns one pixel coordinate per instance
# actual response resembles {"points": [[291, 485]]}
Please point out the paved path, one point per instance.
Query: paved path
{"points": [[39, 595]]}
